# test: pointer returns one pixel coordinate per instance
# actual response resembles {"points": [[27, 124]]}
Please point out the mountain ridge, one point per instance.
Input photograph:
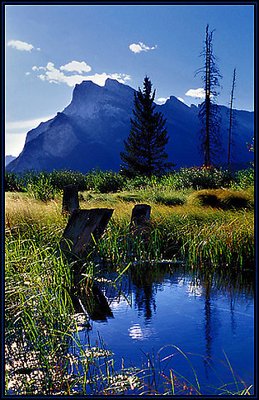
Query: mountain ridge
{"points": [[90, 131]]}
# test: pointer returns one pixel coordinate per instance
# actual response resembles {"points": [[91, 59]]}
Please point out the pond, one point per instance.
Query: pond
{"points": [[199, 328]]}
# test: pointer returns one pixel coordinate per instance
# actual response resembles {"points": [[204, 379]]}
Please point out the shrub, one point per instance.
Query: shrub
{"points": [[104, 181], [13, 183], [198, 178], [244, 178], [29, 177], [41, 187], [141, 182], [62, 178]]}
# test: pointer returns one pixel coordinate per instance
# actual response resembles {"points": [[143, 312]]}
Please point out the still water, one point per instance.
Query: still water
{"points": [[182, 322]]}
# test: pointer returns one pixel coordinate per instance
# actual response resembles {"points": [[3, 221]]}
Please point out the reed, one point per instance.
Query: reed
{"points": [[215, 239]]}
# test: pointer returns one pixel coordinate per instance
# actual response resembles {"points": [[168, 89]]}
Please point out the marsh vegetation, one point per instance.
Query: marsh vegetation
{"points": [[200, 219]]}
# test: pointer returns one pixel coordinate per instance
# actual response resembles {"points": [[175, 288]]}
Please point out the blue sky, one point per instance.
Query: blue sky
{"points": [[50, 48]]}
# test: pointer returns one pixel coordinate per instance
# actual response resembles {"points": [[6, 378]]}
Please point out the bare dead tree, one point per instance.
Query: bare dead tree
{"points": [[208, 110], [231, 118]]}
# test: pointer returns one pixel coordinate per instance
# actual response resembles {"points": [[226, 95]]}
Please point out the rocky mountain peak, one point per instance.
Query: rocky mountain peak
{"points": [[112, 83], [91, 130]]}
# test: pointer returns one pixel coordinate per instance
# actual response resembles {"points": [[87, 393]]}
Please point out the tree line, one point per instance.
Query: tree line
{"points": [[144, 150]]}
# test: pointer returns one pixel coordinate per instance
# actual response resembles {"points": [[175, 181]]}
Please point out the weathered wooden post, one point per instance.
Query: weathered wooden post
{"points": [[139, 227], [82, 227], [70, 199], [140, 216]]}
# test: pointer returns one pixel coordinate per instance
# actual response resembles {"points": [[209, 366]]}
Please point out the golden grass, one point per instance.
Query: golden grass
{"points": [[222, 198], [19, 208]]}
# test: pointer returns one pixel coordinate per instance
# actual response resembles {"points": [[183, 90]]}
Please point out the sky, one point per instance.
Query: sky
{"points": [[50, 48]]}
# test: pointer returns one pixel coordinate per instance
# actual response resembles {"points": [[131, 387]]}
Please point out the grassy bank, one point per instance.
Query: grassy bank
{"points": [[192, 231]]}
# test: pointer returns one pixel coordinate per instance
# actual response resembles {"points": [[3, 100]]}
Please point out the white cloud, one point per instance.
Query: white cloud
{"points": [[76, 66], [56, 75], [162, 100], [197, 93], [139, 47], [27, 73], [19, 45], [35, 68]]}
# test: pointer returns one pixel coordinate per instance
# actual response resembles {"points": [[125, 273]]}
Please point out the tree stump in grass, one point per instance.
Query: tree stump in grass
{"points": [[139, 228], [83, 228], [70, 199], [140, 217]]}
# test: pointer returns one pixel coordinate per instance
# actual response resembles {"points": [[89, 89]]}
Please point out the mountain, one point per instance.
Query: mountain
{"points": [[8, 159], [90, 131]]}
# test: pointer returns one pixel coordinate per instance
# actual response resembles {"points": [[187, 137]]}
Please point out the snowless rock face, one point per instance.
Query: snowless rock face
{"points": [[8, 159], [90, 132], [34, 133]]}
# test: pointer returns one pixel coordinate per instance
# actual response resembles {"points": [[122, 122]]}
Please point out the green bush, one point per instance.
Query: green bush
{"points": [[141, 182], [198, 178], [29, 177], [104, 181], [41, 188], [244, 178], [13, 183], [62, 178]]}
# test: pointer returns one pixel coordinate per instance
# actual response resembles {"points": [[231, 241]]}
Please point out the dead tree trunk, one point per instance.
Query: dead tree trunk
{"points": [[84, 226], [70, 199]]}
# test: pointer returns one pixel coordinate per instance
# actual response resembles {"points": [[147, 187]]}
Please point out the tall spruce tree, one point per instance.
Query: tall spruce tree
{"points": [[144, 152], [208, 110]]}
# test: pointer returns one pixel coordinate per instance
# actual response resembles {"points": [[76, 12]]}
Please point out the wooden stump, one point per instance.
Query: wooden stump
{"points": [[70, 199], [139, 228], [140, 216], [82, 227]]}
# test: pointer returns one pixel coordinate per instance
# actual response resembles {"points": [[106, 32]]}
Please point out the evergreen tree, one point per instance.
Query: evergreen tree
{"points": [[144, 152], [208, 112]]}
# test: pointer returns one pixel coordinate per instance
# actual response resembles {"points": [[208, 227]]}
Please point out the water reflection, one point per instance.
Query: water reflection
{"points": [[91, 300], [148, 310], [208, 328], [136, 332], [232, 314], [198, 311], [145, 300]]}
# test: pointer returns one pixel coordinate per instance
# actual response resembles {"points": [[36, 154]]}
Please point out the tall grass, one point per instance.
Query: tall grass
{"points": [[216, 239], [190, 232]]}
